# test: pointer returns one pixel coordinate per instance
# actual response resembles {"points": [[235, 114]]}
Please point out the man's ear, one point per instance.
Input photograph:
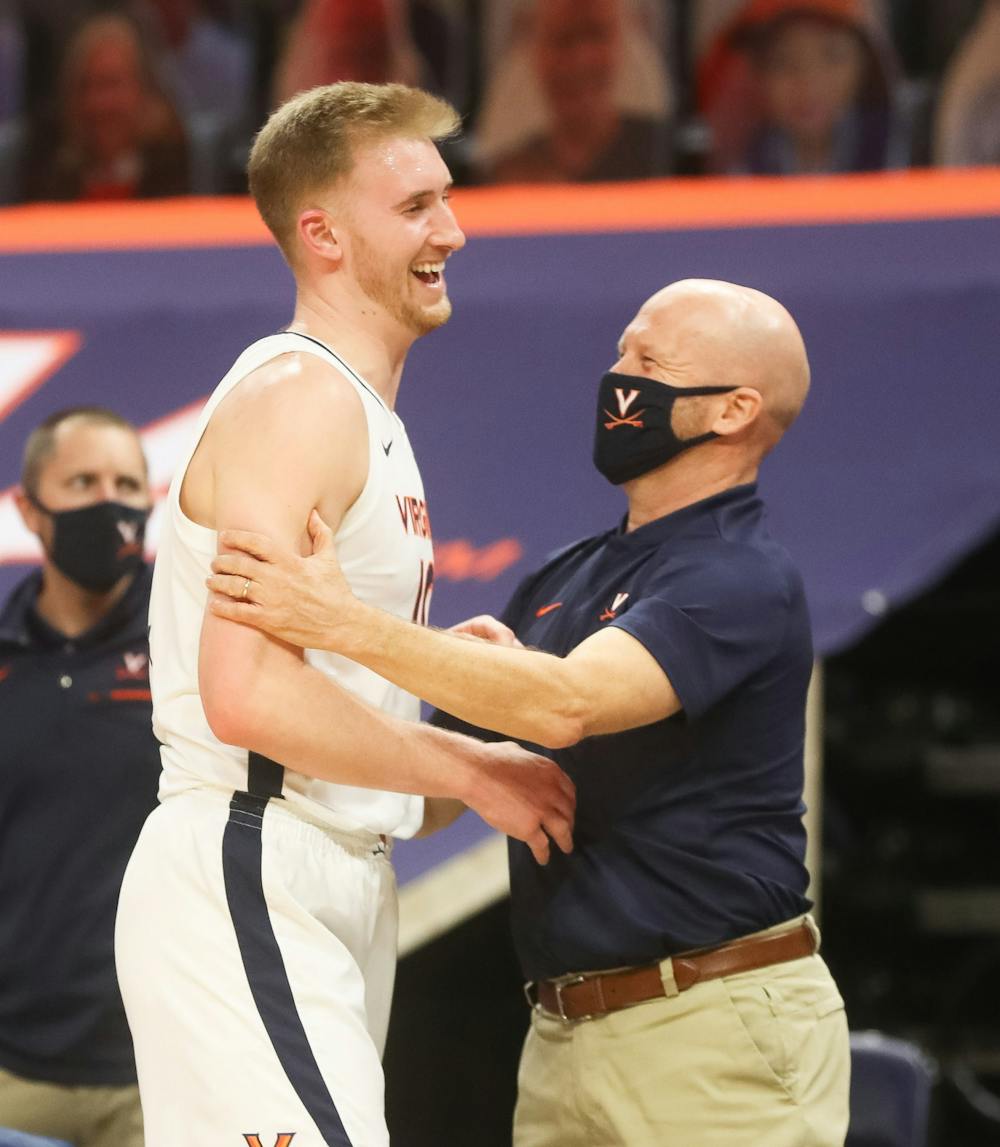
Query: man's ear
{"points": [[320, 235], [742, 409], [30, 514]]}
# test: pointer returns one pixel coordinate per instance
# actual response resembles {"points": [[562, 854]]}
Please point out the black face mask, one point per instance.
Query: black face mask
{"points": [[97, 545], [633, 434]]}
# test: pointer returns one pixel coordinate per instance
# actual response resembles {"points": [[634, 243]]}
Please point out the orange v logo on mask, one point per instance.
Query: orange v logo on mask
{"points": [[625, 398], [283, 1140]]}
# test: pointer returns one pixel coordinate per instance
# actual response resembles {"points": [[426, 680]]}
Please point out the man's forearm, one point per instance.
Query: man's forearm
{"points": [[283, 708], [521, 693]]}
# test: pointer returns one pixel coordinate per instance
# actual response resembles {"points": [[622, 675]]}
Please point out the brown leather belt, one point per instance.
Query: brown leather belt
{"points": [[595, 994]]}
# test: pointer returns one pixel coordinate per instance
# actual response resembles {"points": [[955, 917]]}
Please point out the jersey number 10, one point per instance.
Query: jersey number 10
{"points": [[421, 607]]}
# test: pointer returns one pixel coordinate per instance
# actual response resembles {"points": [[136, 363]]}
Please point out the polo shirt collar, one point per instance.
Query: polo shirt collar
{"points": [[21, 625], [698, 518]]}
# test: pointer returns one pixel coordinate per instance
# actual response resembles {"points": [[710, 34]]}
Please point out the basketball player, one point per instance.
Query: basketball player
{"points": [[257, 923]]}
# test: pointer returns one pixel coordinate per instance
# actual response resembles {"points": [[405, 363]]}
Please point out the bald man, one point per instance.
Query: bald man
{"points": [[678, 995]]}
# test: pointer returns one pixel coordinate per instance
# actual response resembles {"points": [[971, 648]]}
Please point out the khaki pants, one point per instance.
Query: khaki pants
{"points": [[759, 1059], [84, 1116]]}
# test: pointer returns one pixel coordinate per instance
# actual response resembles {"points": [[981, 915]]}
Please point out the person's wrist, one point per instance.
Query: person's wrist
{"points": [[471, 771], [356, 630]]}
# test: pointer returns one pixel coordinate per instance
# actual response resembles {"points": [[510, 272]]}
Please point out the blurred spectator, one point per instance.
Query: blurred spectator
{"points": [[206, 66], [330, 40], [581, 94], [797, 86], [114, 135], [967, 130], [710, 17], [12, 55], [78, 774]]}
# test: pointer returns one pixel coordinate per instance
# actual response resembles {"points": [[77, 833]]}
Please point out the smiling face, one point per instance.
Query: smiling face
{"points": [[397, 230], [703, 332], [653, 346]]}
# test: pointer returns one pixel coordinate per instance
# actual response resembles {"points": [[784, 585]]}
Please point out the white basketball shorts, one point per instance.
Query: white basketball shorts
{"points": [[256, 954]]}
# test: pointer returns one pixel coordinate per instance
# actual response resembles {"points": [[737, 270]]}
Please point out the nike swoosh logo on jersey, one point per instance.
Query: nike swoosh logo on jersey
{"points": [[543, 610], [387, 448]]}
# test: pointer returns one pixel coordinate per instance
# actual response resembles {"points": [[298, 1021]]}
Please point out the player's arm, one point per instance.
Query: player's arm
{"points": [[286, 445], [610, 682]]}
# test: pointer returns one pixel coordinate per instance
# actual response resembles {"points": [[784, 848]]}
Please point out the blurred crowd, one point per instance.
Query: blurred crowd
{"points": [[119, 99]]}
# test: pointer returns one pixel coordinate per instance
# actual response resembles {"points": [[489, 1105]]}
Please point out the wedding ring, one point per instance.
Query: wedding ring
{"points": [[246, 589]]}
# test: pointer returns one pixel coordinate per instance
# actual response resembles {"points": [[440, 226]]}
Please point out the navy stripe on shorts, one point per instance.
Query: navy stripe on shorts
{"points": [[265, 968]]}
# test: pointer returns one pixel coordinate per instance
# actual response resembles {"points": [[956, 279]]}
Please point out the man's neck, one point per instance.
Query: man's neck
{"points": [[69, 608], [680, 483], [375, 346]]}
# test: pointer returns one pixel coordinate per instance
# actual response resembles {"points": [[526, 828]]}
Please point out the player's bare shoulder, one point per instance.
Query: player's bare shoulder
{"points": [[295, 391], [294, 415]]}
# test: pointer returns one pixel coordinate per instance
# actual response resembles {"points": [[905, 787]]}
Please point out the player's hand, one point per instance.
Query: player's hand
{"points": [[487, 628], [525, 796], [302, 600]]}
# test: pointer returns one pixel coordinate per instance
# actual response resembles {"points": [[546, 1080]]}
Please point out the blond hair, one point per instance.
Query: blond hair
{"points": [[308, 144]]}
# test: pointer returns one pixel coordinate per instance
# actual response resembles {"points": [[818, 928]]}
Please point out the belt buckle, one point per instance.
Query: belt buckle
{"points": [[560, 985]]}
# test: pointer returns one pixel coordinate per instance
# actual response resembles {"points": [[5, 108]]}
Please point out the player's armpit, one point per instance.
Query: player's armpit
{"points": [[619, 684]]}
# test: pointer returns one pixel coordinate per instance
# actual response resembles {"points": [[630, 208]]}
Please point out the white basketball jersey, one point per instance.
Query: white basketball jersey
{"points": [[384, 548]]}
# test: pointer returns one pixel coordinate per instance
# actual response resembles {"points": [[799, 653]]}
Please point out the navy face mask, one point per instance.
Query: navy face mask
{"points": [[97, 545], [633, 434]]}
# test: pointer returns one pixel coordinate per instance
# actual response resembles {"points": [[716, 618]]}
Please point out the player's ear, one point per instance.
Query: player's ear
{"points": [[319, 234]]}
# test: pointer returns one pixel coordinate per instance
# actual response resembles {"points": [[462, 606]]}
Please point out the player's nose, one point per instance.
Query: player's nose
{"points": [[450, 235]]}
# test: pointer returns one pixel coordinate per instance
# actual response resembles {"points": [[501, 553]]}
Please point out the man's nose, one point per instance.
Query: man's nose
{"points": [[449, 233]]}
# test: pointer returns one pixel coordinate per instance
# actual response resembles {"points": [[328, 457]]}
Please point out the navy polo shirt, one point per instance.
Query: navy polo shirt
{"points": [[79, 769], [688, 831]]}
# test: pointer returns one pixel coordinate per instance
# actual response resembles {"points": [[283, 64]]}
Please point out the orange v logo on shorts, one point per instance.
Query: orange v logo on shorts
{"points": [[283, 1140], [543, 610]]}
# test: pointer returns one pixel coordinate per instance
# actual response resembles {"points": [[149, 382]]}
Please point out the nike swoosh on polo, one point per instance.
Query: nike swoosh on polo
{"points": [[543, 610], [387, 448]]}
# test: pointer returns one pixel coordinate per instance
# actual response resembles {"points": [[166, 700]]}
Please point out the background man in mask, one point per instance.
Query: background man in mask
{"points": [[679, 996], [78, 773]]}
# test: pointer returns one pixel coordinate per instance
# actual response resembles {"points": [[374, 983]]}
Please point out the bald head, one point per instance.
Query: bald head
{"points": [[710, 333]]}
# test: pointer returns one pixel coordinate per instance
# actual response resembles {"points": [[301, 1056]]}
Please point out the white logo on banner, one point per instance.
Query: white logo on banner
{"points": [[27, 360]]}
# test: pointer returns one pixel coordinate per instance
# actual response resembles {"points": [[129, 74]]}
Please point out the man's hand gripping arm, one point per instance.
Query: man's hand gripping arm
{"points": [[608, 683], [286, 445]]}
